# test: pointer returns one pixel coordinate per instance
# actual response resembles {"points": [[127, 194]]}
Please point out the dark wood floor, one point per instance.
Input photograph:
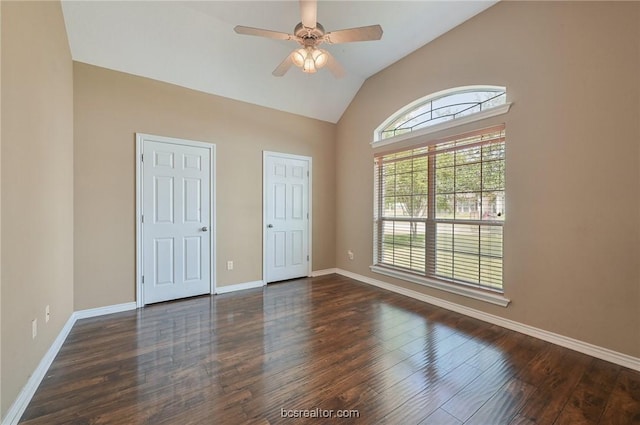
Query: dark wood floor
{"points": [[327, 343]]}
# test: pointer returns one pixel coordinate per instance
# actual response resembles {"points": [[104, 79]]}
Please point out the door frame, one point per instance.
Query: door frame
{"points": [[140, 139], [309, 159]]}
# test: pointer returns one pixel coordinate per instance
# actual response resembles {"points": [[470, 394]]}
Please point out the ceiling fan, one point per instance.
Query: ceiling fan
{"points": [[310, 34]]}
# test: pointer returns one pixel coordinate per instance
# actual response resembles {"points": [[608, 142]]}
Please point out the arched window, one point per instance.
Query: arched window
{"points": [[439, 203], [469, 102]]}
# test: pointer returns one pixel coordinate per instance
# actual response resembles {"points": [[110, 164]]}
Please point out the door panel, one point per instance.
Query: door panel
{"points": [[164, 259], [279, 201], [176, 235], [192, 199], [297, 250], [193, 162], [297, 201], [192, 258], [163, 200], [287, 217], [163, 159], [279, 249]]}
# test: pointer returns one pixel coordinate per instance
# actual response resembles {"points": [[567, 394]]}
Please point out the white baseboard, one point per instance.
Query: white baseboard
{"points": [[324, 272], [101, 311], [561, 340], [22, 401], [239, 287]]}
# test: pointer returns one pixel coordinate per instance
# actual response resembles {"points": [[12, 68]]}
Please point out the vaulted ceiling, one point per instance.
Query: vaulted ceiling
{"points": [[192, 44]]}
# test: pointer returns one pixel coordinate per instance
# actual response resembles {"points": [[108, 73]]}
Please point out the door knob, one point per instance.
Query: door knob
{"points": [[205, 228], [269, 226]]}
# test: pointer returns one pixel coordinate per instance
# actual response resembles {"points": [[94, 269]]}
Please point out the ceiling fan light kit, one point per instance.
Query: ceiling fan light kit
{"points": [[310, 59], [310, 34]]}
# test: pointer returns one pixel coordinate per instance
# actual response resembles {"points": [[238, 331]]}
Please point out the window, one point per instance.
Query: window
{"points": [[440, 209], [439, 109]]}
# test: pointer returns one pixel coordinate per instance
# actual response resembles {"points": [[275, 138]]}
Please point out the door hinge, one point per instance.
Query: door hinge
{"points": [[307, 173], [142, 157], [142, 218], [307, 216], [143, 280], [307, 258]]}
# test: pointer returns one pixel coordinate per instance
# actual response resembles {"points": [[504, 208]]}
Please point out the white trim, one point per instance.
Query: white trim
{"points": [[138, 160], [24, 397], [554, 338], [239, 287], [476, 294], [140, 138], [101, 311], [433, 96], [213, 204], [417, 136], [264, 216], [323, 272], [309, 223], [20, 404], [264, 208]]}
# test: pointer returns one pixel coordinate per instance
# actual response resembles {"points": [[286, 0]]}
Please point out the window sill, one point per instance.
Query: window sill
{"points": [[476, 294], [418, 134]]}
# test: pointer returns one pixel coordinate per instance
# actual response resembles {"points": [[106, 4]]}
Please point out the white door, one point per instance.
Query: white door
{"points": [[286, 214], [176, 220]]}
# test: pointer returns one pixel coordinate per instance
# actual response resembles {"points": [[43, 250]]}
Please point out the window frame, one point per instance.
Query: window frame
{"points": [[378, 141], [429, 277]]}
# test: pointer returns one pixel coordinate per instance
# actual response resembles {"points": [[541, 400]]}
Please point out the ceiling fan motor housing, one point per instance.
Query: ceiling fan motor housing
{"points": [[310, 36]]}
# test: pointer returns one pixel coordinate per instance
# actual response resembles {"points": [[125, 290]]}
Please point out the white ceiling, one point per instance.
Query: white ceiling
{"points": [[192, 44]]}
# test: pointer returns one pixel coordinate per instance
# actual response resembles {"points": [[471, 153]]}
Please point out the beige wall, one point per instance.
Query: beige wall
{"points": [[110, 107], [572, 236], [37, 186]]}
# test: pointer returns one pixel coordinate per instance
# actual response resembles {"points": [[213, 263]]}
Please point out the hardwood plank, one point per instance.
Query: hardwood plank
{"points": [[624, 403], [589, 399], [420, 373], [501, 408], [522, 420], [466, 402], [430, 397], [557, 380], [440, 417]]}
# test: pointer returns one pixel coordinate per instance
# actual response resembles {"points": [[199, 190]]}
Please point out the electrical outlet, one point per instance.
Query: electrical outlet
{"points": [[229, 265], [350, 254], [47, 314], [34, 328]]}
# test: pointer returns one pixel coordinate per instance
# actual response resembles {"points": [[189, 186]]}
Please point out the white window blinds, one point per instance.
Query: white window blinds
{"points": [[440, 209]]}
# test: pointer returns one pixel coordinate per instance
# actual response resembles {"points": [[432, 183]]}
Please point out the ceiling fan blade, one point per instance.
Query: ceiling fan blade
{"points": [[309, 12], [372, 32], [283, 67], [334, 66], [263, 33]]}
